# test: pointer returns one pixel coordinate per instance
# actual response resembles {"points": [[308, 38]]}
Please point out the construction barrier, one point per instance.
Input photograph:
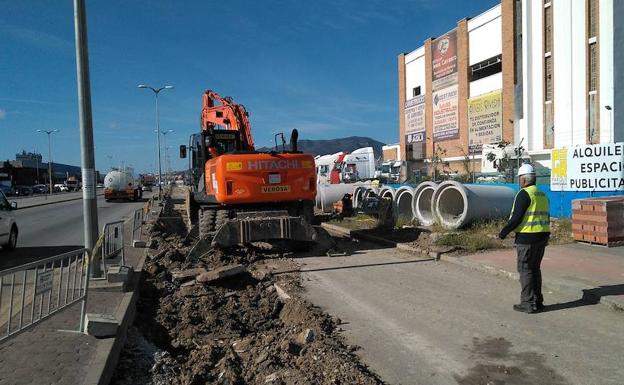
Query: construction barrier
{"points": [[35, 291], [113, 244]]}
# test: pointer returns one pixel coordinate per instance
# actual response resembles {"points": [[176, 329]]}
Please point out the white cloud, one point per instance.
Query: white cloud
{"points": [[2, 114]]}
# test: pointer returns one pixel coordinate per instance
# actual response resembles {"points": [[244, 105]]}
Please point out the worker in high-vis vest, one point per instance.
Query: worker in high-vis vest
{"points": [[530, 220]]}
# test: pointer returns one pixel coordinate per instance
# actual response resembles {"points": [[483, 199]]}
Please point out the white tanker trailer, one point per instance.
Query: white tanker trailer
{"points": [[121, 185]]}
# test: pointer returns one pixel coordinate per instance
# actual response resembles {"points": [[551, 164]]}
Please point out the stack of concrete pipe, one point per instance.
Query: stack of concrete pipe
{"points": [[451, 204], [457, 205], [328, 194]]}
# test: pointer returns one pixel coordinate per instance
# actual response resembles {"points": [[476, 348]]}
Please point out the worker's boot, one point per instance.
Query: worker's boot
{"points": [[525, 308]]}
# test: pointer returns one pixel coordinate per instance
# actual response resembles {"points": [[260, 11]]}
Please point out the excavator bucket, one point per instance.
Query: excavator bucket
{"points": [[263, 226]]}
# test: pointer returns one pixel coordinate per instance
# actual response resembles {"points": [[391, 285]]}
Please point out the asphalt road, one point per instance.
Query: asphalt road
{"points": [[49, 230], [428, 322]]}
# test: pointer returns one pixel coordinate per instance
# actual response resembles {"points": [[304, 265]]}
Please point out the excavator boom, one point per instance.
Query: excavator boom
{"points": [[222, 111]]}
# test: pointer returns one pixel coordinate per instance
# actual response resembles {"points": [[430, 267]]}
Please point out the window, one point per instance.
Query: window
{"points": [[548, 79], [548, 37], [592, 18], [593, 67], [416, 91], [486, 68], [549, 123]]}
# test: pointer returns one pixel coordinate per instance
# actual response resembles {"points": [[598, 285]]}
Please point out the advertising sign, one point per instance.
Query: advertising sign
{"points": [[597, 167], [444, 60], [445, 122], [485, 123], [415, 115]]}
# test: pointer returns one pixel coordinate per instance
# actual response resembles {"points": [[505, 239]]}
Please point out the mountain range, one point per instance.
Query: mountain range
{"points": [[331, 146]]}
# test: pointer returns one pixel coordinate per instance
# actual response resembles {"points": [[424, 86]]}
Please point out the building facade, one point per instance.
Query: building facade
{"points": [[535, 75]]}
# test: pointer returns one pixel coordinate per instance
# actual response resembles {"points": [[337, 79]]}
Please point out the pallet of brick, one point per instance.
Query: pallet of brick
{"points": [[599, 220]]}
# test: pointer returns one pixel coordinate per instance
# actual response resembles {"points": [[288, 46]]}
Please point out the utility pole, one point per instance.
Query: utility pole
{"points": [[49, 132], [156, 92], [87, 157]]}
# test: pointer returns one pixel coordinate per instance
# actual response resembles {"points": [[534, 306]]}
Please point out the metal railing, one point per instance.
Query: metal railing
{"points": [[35, 291], [113, 243], [137, 224]]}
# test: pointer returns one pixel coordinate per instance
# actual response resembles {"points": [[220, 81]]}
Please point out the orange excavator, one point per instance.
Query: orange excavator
{"points": [[240, 195]]}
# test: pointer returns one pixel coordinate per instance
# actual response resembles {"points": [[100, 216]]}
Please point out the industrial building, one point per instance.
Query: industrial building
{"points": [[538, 75], [29, 169]]}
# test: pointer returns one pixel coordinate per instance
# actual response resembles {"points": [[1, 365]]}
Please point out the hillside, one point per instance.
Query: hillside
{"points": [[331, 146]]}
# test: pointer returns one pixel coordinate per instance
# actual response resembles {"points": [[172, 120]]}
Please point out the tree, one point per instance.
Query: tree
{"points": [[506, 164]]}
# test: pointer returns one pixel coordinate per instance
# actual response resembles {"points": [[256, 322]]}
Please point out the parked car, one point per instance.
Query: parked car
{"points": [[8, 226], [6, 189], [22, 191], [40, 189], [147, 188], [100, 185], [60, 188]]}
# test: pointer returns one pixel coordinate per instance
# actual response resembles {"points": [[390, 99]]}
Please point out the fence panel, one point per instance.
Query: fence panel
{"points": [[35, 291], [137, 224], [113, 244]]}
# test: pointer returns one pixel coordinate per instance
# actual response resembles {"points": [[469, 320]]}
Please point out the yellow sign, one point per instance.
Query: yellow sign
{"points": [[307, 164], [275, 189], [234, 166], [485, 123]]}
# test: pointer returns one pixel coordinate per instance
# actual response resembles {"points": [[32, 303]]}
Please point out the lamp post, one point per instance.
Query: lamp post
{"points": [[610, 109], [49, 132], [156, 92], [167, 164]]}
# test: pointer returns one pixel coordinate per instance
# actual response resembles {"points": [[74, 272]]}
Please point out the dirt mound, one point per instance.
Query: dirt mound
{"points": [[235, 330]]}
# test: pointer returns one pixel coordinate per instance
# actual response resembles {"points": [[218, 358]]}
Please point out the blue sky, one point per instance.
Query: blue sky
{"points": [[327, 68]]}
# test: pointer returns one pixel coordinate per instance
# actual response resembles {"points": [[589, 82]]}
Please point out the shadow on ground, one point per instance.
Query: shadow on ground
{"points": [[23, 255], [590, 297]]}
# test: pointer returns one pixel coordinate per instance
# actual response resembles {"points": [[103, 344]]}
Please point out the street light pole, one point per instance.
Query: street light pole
{"points": [[167, 164], [156, 92], [611, 133], [49, 132], [87, 149]]}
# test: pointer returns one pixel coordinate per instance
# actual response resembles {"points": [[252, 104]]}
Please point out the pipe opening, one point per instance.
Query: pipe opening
{"points": [[387, 194], [424, 206], [404, 206], [451, 206]]}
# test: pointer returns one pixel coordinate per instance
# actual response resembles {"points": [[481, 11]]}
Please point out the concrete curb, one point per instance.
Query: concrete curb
{"points": [[563, 286], [104, 363]]}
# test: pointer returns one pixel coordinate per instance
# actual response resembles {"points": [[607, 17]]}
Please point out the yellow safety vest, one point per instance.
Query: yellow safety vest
{"points": [[537, 216]]}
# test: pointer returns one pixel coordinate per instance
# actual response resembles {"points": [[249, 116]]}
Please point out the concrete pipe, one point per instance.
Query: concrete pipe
{"points": [[456, 205], [421, 203], [358, 195], [329, 194], [387, 192], [403, 204]]}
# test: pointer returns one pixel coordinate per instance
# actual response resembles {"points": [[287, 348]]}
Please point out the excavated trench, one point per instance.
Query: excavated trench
{"points": [[234, 330]]}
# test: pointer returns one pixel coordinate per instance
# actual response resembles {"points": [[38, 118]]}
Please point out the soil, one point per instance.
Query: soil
{"points": [[233, 331]]}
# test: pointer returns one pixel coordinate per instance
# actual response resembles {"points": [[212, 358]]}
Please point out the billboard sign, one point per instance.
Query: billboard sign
{"points": [[445, 116], [597, 167], [415, 115], [485, 123], [444, 60]]}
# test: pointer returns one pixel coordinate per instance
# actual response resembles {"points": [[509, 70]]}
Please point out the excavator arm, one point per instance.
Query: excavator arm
{"points": [[222, 111]]}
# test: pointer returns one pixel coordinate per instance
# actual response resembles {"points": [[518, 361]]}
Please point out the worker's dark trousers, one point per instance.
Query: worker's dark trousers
{"points": [[529, 261]]}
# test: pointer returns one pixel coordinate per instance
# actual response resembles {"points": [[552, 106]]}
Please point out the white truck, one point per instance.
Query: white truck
{"points": [[358, 165]]}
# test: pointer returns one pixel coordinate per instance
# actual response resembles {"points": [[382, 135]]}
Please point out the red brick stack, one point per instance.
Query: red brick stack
{"points": [[599, 220]]}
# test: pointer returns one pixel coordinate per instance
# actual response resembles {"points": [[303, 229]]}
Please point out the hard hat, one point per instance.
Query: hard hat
{"points": [[526, 169]]}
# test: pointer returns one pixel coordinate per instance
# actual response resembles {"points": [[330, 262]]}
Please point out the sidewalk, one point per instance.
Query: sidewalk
{"points": [[594, 273], [52, 352]]}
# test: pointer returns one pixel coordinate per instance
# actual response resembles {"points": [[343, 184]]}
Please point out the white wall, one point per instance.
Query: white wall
{"points": [[530, 128], [570, 42], [415, 72], [606, 46], [485, 35], [485, 85]]}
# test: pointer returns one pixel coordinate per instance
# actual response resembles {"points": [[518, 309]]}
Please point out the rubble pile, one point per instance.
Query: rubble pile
{"points": [[223, 320]]}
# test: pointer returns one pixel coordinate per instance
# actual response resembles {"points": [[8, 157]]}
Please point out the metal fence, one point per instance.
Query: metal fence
{"points": [[33, 292], [137, 224], [113, 243]]}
